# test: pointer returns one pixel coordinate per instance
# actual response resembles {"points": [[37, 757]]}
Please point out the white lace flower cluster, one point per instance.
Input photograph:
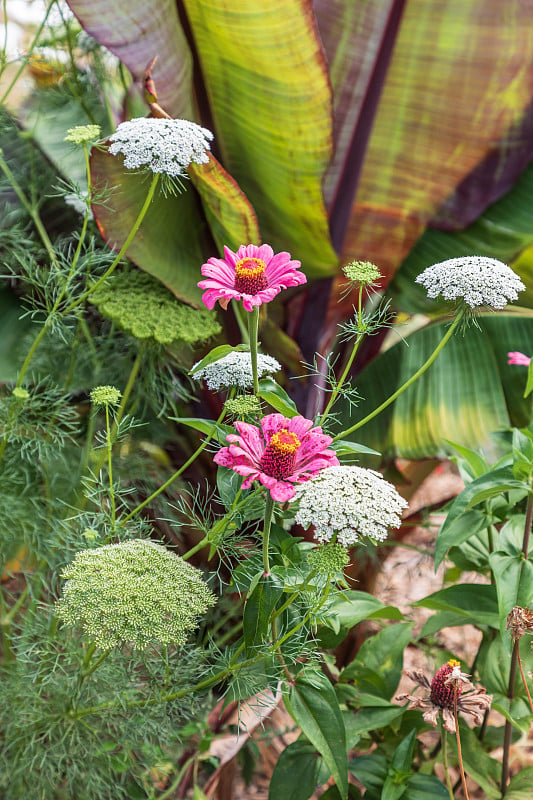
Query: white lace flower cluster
{"points": [[479, 281], [349, 502], [235, 369], [162, 145], [135, 593]]}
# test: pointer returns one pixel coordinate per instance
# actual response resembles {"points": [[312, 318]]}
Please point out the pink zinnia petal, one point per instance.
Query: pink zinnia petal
{"points": [[280, 453], [518, 359], [253, 284]]}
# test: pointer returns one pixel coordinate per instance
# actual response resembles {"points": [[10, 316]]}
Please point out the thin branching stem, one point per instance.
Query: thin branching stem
{"points": [[425, 366]]}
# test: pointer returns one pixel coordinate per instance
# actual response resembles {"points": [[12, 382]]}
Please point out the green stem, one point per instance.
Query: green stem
{"points": [[133, 232], [109, 449], [27, 57], [444, 341], [31, 210], [178, 472], [198, 546], [253, 328], [515, 655], [445, 762], [269, 509], [342, 379]]}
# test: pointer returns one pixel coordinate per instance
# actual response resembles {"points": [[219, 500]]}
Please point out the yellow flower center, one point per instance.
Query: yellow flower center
{"points": [[249, 275], [279, 457]]}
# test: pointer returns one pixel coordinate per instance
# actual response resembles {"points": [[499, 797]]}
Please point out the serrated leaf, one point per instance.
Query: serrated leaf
{"points": [[313, 705]]}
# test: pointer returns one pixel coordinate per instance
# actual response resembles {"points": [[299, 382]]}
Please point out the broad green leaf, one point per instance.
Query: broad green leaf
{"points": [[170, 244], [377, 668], [344, 448], [206, 426], [514, 583], [478, 765], [312, 704], [415, 157], [231, 218], [298, 773], [494, 665], [258, 610], [426, 787], [371, 771], [272, 393], [529, 384], [475, 461], [348, 609], [469, 392], [270, 98], [400, 769], [463, 527], [476, 602], [520, 785]]}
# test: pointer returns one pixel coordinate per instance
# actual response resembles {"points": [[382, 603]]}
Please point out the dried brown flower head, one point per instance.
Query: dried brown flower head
{"points": [[520, 621]]}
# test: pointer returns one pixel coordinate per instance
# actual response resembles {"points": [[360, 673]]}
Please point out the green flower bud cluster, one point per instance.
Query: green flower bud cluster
{"points": [[135, 593], [105, 396], [329, 559], [246, 405], [363, 272], [141, 305], [83, 134]]}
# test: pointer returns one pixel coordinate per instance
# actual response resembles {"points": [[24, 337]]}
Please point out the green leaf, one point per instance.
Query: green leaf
{"points": [[520, 785], [171, 243], [514, 583], [299, 772], [399, 771], [494, 668], [371, 771], [206, 426], [348, 609], [313, 705], [272, 393], [529, 384], [258, 610], [216, 354], [273, 131], [468, 393], [475, 602], [478, 765], [426, 787], [460, 528], [343, 447], [377, 668]]}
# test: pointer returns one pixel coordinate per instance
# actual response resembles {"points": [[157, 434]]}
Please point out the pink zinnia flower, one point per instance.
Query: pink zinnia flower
{"points": [[280, 453], [518, 359], [253, 274]]}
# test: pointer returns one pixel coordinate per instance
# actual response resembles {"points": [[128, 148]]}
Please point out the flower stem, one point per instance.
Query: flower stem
{"points": [[118, 258], [109, 449], [515, 657], [525, 682], [443, 342], [178, 472], [269, 509], [253, 328], [445, 762], [459, 751], [340, 383]]}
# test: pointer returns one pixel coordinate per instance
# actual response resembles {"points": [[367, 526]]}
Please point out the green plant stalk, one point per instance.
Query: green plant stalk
{"points": [[445, 761], [31, 210], [515, 656], [133, 232], [109, 453], [171, 791], [27, 57], [253, 329], [269, 510], [176, 474], [342, 380], [425, 366], [524, 681]]}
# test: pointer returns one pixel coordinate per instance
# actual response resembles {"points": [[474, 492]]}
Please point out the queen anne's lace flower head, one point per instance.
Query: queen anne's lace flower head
{"points": [[135, 593], [253, 274], [235, 369], [279, 454], [162, 145], [477, 280], [350, 503]]}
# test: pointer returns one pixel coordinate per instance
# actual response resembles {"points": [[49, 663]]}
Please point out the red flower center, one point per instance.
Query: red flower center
{"points": [[442, 693], [279, 457], [250, 275]]}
